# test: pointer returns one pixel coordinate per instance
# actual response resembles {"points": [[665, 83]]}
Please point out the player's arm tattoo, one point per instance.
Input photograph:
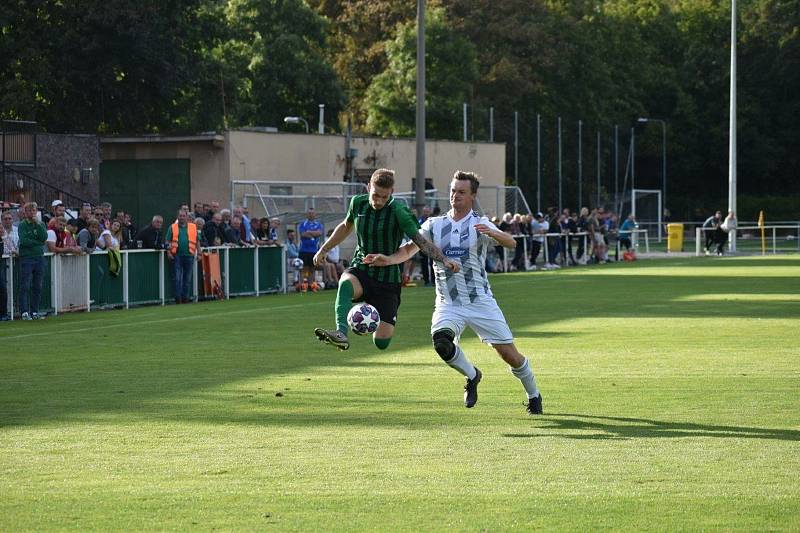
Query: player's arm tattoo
{"points": [[428, 248]]}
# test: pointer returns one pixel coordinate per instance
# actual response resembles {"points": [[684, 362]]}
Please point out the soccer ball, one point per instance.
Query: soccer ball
{"points": [[363, 319], [297, 263]]}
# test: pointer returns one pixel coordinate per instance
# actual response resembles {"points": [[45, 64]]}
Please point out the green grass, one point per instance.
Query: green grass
{"points": [[671, 390]]}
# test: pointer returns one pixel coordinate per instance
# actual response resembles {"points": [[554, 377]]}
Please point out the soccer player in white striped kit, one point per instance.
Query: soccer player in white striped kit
{"points": [[464, 298]]}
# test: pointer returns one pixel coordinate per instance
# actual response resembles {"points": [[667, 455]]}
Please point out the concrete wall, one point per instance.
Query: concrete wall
{"points": [[207, 156], [246, 155], [297, 157]]}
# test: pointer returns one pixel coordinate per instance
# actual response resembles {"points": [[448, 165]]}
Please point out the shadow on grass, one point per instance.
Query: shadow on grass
{"points": [[71, 367], [545, 334], [621, 428]]}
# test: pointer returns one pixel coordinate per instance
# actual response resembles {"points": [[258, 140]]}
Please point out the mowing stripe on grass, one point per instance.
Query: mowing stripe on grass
{"points": [[129, 323]]}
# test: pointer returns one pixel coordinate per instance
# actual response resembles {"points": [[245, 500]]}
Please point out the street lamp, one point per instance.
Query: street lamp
{"points": [[296, 120], [663, 155]]}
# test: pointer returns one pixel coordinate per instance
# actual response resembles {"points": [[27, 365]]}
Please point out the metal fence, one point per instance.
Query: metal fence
{"points": [[83, 282]]}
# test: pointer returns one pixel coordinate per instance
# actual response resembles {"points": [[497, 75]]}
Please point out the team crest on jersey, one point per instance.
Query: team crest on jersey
{"points": [[453, 251]]}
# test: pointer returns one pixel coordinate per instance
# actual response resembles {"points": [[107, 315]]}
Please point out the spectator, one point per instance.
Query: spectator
{"points": [[108, 239], [599, 249], [105, 215], [505, 226], [292, 253], [311, 231], [129, 230], [272, 233], [3, 291], [244, 228], [84, 216], [198, 211], [727, 226], [118, 233], [233, 234], [226, 219], [425, 263], [711, 227], [583, 240], [212, 210], [57, 209], [267, 232], [183, 250], [151, 237], [59, 241], [539, 227], [567, 227], [554, 241], [519, 234], [625, 232], [213, 231], [98, 214], [612, 227], [200, 222], [257, 230], [71, 229], [32, 236], [11, 235], [87, 237], [331, 268]]}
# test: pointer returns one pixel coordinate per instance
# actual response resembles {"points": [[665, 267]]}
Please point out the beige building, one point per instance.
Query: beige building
{"points": [[203, 166]]}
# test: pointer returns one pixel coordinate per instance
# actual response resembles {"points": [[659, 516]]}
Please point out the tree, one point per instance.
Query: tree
{"points": [[91, 65], [451, 71], [360, 31], [277, 48]]}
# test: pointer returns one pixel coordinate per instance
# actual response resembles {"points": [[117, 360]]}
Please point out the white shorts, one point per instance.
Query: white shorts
{"points": [[484, 317]]}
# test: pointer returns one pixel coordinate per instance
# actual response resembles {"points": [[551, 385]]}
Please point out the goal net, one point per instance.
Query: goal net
{"points": [[645, 205]]}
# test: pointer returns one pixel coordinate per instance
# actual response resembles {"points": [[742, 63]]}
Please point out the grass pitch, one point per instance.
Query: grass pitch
{"points": [[671, 393]]}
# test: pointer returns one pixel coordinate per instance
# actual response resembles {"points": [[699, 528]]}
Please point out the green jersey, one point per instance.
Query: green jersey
{"points": [[380, 232]]}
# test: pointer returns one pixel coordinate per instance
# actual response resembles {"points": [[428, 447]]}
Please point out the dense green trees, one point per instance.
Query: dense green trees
{"points": [[194, 65], [451, 71]]}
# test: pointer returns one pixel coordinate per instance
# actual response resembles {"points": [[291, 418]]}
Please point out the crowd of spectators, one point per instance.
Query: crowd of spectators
{"points": [[562, 238], [548, 240]]}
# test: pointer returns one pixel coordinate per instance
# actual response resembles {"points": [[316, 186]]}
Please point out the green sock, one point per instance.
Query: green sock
{"points": [[344, 301], [382, 344]]}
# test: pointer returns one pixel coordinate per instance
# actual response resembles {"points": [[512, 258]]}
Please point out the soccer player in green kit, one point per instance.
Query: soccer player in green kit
{"points": [[380, 223]]}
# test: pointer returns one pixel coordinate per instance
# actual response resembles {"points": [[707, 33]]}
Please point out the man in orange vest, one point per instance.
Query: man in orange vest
{"points": [[183, 251]]}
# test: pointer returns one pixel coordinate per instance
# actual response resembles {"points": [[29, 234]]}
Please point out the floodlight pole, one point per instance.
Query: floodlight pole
{"points": [[538, 162], [732, 126], [598, 168], [516, 149], [419, 190], [616, 163], [559, 164], [491, 124], [580, 164]]}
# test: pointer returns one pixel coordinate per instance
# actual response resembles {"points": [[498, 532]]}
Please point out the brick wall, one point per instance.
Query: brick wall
{"points": [[58, 155]]}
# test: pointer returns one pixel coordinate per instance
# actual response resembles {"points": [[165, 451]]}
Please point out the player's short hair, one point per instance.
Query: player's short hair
{"points": [[474, 179], [383, 178]]}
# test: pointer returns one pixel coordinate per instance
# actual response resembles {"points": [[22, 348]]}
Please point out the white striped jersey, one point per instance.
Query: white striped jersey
{"points": [[460, 241]]}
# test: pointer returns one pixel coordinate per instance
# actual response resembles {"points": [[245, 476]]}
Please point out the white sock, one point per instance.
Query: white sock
{"points": [[525, 375], [462, 364]]}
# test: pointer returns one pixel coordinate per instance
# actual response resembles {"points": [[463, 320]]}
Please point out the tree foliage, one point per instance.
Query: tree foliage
{"points": [[193, 65], [451, 70]]}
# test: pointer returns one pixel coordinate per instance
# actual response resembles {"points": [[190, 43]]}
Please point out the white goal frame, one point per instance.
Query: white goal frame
{"points": [[657, 192]]}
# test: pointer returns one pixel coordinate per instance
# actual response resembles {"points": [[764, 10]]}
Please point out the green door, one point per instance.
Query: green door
{"points": [[146, 187]]}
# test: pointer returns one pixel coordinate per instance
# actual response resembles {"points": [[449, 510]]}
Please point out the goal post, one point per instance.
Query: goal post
{"points": [[646, 207]]}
